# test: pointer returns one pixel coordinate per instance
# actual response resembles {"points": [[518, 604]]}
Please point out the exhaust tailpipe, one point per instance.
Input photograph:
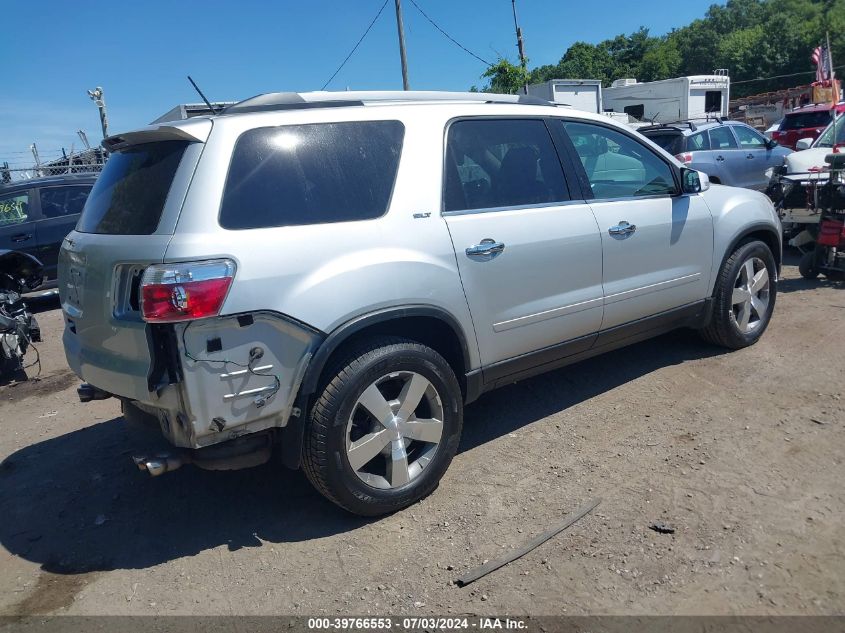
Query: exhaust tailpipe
{"points": [[161, 463], [87, 393]]}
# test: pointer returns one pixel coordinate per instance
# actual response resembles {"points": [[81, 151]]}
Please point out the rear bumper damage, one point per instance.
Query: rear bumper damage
{"points": [[207, 382]]}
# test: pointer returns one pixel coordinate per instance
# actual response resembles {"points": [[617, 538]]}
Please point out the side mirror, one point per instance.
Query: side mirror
{"points": [[694, 181], [771, 143], [804, 143]]}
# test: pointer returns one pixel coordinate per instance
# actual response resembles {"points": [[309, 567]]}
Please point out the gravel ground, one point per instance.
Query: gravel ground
{"points": [[742, 453]]}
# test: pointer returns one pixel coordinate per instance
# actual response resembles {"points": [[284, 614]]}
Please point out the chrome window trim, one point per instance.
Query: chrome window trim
{"points": [[520, 207]]}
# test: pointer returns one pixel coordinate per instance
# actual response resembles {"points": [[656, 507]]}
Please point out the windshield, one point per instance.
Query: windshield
{"points": [[834, 134]]}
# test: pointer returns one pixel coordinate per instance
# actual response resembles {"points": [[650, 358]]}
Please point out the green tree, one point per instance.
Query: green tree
{"points": [[505, 77]]}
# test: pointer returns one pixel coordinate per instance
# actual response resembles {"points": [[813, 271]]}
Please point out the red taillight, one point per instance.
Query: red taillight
{"points": [[685, 158], [185, 291]]}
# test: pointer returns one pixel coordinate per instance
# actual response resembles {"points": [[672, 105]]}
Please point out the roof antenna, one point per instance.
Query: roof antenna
{"points": [[197, 88]]}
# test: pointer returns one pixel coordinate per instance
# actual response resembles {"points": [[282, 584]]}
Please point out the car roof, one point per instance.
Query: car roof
{"points": [[64, 179], [688, 128], [816, 107]]}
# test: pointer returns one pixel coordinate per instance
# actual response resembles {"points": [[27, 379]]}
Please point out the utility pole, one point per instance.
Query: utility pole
{"points": [[401, 27], [97, 97], [519, 43]]}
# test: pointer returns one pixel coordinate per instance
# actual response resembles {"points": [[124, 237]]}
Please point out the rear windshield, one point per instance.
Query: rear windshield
{"points": [[800, 120], [129, 195], [311, 174], [671, 142]]}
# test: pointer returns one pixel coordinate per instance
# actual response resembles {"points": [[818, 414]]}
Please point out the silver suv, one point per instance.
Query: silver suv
{"points": [[335, 275]]}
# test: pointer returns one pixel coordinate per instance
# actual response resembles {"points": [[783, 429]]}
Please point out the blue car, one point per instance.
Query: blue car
{"points": [[729, 152]]}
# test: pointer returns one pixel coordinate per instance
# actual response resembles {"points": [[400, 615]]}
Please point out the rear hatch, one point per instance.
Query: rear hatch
{"points": [[798, 125], [127, 223]]}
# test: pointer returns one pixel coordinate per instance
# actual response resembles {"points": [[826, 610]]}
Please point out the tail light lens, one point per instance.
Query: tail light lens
{"points": [[685, 158], [185, 291]]}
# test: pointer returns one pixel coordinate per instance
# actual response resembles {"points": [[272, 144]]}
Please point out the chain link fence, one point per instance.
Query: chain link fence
{"points": [[89, 161]]}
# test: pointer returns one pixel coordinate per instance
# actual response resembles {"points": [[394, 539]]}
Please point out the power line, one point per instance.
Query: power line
{"points": [[806, 72], [452, 39], [357, 44]]}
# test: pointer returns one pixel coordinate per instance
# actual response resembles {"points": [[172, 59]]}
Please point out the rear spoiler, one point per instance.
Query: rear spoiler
{"points": [[191, 130]]}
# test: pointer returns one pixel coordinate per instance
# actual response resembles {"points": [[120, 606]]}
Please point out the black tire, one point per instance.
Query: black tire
{"points": [[324, 457], [807, 266], [723, 329]]}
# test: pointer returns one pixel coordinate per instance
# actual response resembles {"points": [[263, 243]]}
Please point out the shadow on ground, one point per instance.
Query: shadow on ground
{"points": [[76, 503]]}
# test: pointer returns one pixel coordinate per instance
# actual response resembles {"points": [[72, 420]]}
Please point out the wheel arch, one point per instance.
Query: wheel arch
{"points": [[426, 324]]}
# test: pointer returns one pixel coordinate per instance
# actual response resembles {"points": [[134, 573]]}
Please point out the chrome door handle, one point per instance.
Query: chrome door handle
{"points": [[22, 237], [623, 228], [486, 247]]}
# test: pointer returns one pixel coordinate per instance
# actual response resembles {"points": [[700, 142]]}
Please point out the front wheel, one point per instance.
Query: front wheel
{"points": [[744, 297], [385, 427]]}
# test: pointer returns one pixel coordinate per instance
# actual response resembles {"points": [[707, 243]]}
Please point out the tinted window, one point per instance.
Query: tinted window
{"points": [[672, 142], [57, 202], [636, 111], [14, 208], [698, 142], [129, 195], [748, 138], [311, 174], [800, 120], [501, 163], [721, 138], [617, 165]]}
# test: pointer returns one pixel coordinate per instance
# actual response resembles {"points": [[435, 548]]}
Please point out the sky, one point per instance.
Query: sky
{"points": [[140, 52]]}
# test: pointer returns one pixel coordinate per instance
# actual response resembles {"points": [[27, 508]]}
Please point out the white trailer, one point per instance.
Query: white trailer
{"points": [[679, 99], [581, 94]]}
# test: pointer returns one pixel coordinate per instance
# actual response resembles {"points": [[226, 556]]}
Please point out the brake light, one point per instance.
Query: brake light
{"points": [[185, 291], [685, 158]]}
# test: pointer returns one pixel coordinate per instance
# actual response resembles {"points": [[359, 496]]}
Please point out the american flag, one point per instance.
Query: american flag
{"points": [[822, 61]]}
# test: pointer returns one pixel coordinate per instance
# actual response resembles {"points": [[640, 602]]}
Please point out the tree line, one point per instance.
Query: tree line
{"points": [[752, 39]]}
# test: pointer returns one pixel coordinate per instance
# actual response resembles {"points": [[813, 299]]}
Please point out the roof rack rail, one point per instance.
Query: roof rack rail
{"points": [[692, 126], [322, 99]]}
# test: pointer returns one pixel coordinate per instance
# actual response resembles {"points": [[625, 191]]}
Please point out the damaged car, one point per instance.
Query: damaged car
{"points": [[334, 276]]}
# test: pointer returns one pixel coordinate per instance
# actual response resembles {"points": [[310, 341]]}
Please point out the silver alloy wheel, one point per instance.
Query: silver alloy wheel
{"points": [[394, 429], [750, 297]]}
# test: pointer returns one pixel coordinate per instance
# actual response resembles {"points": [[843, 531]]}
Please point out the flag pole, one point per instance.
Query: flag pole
{"points": [[829, 56]]}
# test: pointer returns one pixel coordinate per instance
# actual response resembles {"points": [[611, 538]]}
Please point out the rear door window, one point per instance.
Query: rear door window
{"points": [[311, 174], [129, 196], [721, 138], [58, 202], [14, 209], [493, 163]]}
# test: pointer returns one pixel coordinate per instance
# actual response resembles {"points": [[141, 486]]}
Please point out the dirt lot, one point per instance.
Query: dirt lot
{"points": [[741, 452]]}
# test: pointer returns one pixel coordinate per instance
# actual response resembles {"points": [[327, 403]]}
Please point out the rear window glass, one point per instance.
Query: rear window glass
{"points": [[129, 195], [698, 142], [800, 120], [311, 174], [671, 142]]}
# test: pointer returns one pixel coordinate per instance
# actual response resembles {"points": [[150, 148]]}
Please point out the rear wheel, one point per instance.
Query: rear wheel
{"points": [[385, 427], [745, 297], [807, 266]]}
